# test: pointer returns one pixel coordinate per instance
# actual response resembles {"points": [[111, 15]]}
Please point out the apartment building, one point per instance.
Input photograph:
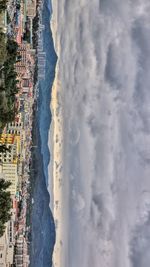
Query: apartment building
{"points": [[13, 144], [7, 245], [10, 173]]}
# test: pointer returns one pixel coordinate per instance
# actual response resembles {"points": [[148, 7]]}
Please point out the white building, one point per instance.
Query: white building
{"points": [[7, 245], [11, 175]]}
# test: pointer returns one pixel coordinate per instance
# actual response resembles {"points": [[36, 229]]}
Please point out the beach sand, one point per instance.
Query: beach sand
{"points": [[56, 173], [55, 143]]}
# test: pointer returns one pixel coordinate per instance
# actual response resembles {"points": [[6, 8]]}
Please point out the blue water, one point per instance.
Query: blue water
{"points": [[45, 86], [43, 230]]}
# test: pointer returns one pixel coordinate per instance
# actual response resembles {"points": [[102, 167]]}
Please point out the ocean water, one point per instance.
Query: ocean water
{"points": [[43, 230], [46, 85]]}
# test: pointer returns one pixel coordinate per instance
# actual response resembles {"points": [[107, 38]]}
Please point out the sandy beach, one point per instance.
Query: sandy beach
{"points": [[56, 175], [55, 142]]}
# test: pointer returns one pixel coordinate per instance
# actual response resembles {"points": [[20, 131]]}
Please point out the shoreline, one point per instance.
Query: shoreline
{"points": [[55, 186]]}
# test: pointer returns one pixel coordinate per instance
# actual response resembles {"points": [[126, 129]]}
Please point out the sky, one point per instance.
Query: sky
{"points": [[104, 69]]}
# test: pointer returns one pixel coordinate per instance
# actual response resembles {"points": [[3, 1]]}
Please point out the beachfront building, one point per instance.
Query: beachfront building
{"points": [[16, 126], [13, 144], [17, 151], [3, 250], [7, 245], [20, 25], [21, 255], [31, 8], [21, 66], [26, 85], [25, 69], [10, 173], [7, 241], [31, 13]]}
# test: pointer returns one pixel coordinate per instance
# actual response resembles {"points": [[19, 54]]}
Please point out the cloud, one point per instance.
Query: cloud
{"points": [[104, 68], [140, 245]]}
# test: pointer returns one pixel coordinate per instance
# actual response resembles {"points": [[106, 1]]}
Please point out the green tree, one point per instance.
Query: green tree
{"points": [[4, 148], [3, 52], [12, 47], [2, 228], [3, 4], [5, 204], [8, 78], [2, 89], [8, 116], [4, 184]]}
